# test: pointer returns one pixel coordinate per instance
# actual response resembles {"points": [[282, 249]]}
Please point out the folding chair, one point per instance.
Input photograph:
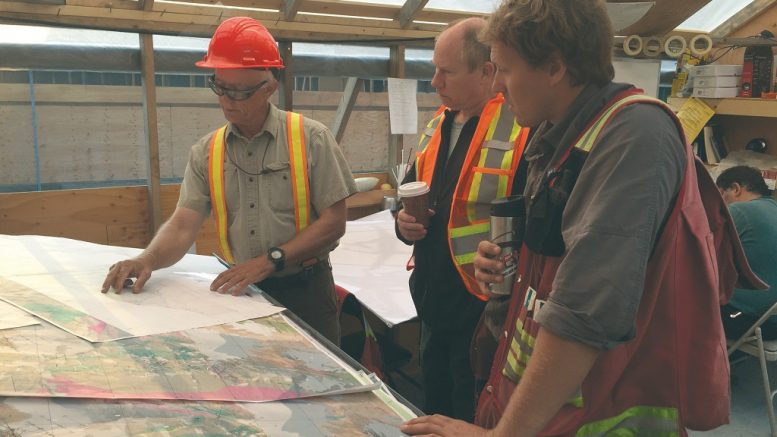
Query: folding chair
{"points": [[752, 343]]}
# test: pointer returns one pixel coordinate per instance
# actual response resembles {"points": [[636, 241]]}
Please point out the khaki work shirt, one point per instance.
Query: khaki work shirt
{"points": [[257, 181]]}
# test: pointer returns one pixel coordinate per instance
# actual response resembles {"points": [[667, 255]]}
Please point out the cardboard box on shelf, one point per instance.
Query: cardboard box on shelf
{"points": [[715, 92], [717, 70], [716, 81]]}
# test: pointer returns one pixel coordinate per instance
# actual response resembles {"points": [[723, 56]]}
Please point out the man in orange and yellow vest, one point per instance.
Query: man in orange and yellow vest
{"points": [[275, 182], [613, 326], [469, 156]]}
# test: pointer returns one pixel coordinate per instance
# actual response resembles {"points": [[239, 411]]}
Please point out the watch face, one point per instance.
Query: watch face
{"points": [[276, 254]]}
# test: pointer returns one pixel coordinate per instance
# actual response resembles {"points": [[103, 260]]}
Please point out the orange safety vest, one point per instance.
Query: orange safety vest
{"points": [[487, 174], [300, 184], [674, 373]]}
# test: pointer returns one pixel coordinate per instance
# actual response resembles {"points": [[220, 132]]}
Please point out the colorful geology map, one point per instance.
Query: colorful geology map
{"points": [[356, 414], [254, 361]]}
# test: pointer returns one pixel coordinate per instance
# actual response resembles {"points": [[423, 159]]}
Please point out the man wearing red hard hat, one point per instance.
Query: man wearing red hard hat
{"points": [[276, 183]]}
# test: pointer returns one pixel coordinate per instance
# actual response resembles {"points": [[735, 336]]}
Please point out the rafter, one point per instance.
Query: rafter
{"points": [[743, 16], [146, 5], [409, 11], [290, 8]]}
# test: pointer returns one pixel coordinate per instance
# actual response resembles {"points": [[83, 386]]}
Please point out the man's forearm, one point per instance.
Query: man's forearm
{"points": [[317, 237], [173, 239], [554, 374]]}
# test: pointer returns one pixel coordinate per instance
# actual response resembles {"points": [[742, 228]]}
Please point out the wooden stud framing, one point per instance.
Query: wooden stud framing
{"points": [[152, 130], [344, 109], [286, 97]]}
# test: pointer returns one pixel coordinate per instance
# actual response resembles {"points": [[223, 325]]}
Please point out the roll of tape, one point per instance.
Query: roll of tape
{"points": [[632, 45], [674, 46], [700, 44], [652, 47]]}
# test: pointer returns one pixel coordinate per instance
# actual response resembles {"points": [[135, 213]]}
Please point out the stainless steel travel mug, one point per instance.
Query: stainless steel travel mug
{"points": [[507, 222]]}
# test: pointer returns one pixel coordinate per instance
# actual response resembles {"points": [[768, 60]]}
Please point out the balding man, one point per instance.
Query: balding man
{"points": [[469, 156]]}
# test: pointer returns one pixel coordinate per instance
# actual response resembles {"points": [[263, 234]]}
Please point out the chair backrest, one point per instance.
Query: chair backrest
{"points": [[749, 333]]}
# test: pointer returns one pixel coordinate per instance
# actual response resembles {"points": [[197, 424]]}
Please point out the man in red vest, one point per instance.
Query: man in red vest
{"points": [[276, 183], [613, 326], [469, 156]]}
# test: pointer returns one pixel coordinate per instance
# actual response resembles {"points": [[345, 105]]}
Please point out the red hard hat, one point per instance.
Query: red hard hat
{"points": [[241, 42]]}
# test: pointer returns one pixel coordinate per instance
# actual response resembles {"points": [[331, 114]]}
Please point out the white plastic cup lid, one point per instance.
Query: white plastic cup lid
{"points": [[412, 189]]}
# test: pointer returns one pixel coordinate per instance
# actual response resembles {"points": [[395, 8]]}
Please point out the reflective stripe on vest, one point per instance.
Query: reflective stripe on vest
{"points": [[299, 170], [300, 185], [217, 196], [487, 174], [635, 421]]}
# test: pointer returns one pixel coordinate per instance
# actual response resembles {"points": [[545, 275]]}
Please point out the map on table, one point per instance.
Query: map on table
{"points": [[59, 280], [349, 415], [12, 317], [253, 361]]}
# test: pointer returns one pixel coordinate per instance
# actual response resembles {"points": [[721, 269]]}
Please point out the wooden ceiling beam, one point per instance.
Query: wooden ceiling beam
{"points": [[409, 10], [340, 8], [664, 17], [168, 22]]}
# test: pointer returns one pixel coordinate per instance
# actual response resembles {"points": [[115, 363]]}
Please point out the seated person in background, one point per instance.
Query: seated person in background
{"points": [[755, 217]]}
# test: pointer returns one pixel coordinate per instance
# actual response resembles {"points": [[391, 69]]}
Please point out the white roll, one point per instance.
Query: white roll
{"points": [[632, 45], [652, 47], [700, 44], [674, 46]]}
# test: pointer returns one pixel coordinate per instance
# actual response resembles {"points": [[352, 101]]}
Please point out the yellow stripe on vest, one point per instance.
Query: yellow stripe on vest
{"points": [[299, 168], [217, 195]]}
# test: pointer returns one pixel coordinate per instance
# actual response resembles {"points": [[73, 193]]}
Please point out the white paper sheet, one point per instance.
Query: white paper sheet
{"points": [[403, 105], [176, 298], [370, 263]]}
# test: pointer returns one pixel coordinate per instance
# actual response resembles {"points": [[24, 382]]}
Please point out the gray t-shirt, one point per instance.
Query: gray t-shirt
{"points": [[610, 225], [260, 208]]}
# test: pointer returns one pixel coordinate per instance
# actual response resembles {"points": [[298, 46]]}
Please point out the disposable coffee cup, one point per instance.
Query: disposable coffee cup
{"points": [[415, 200]]}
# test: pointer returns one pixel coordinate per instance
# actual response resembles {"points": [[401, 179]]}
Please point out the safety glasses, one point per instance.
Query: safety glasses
{"points": [[236, 95]]}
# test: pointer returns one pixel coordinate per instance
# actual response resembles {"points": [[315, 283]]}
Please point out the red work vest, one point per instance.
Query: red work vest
{"points": [[298, 162], [674, 374], [487, 174]]}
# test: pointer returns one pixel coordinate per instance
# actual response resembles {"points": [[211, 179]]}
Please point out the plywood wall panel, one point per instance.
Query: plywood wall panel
{"points": [[188, 125], [164, 130], [17, 145], [91, 143]]}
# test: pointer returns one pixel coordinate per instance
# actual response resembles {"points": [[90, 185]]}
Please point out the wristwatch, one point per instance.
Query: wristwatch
{"points": [[278, 257]]}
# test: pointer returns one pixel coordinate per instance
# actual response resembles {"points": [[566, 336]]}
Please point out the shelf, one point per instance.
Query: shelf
{"points": [[735, 106]]}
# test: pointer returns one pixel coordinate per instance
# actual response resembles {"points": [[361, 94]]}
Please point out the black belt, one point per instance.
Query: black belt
{"points": [[296, 280]]}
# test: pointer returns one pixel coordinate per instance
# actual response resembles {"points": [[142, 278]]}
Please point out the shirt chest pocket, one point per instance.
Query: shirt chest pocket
{"points": [[276, 179]]}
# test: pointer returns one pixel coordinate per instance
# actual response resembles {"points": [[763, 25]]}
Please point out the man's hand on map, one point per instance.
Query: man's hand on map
{"points": [[439, 425], [120, 273], [236, 279]]}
